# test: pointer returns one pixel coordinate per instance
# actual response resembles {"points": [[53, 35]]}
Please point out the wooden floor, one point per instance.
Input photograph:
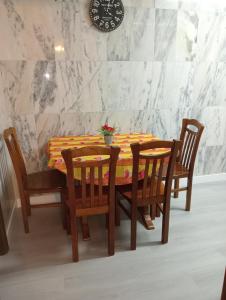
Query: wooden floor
{"points": [[190, 266]]}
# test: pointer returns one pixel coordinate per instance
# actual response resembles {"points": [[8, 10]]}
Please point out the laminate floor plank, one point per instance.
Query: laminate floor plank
{"points": [[190, 266]]}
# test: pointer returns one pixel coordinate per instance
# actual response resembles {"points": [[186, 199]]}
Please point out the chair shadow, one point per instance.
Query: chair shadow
{"points": [[177, 208], [149, 244]]}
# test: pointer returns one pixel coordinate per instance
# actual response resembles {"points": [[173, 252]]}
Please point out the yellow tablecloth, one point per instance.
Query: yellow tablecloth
{"points": [[124, 164]]}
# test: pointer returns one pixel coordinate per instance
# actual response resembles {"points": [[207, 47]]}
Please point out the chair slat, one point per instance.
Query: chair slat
{"points": [[153, 178], [191, 145], [92, 186], [144, 192], [186, 147], [100, 183], [83, 173], [160, 179]]}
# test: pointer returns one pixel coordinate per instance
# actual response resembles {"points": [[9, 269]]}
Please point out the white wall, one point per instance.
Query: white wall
{"points": [[165, 62]]}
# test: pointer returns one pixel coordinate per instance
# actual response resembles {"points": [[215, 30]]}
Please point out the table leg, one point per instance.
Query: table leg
{"points": [[145, 215], [85, 228]]}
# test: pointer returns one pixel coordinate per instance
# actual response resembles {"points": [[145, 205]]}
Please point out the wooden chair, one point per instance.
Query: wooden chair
{"points": [[191, 133], [91, 197], [43, 182], [150, 190]]}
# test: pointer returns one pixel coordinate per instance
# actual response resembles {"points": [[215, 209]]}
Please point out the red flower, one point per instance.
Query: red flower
{"points": [[107, 129]]}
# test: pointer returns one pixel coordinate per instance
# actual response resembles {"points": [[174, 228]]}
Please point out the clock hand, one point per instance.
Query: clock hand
{"points": [[110, 14], [108, 7]]}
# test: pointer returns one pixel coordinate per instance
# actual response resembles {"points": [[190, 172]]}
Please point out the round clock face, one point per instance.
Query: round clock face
{"points": [[106, 15]]}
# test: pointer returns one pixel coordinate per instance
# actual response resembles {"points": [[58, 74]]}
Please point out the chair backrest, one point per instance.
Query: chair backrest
{"points": [[190, 135], [11, 141], [154, 170], [91, 185]]}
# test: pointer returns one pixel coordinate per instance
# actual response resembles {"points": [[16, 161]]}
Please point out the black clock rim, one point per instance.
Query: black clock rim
{"points": [[100, 28]]}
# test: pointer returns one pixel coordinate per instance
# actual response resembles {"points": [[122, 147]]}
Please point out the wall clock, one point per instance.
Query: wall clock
{"points": [[106, 15]]}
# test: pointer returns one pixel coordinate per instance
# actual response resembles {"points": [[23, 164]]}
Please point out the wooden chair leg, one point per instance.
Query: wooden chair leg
{"points": [[176, 186], [74, 238], [63, 211], [68, 222], [117, 212], [165, 224], [158, 212], [85, 228], [111, 233], [133, 242], [153, 211], [188, 195], [28, 205], [106, 221], [24, 210]]}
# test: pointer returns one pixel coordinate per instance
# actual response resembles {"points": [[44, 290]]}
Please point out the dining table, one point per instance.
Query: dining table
{"points": [[123, 167]]}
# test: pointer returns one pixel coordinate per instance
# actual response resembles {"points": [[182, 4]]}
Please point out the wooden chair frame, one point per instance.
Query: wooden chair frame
{"points": [[27, 183], [184, 167], [88, 203], [151, 184]]}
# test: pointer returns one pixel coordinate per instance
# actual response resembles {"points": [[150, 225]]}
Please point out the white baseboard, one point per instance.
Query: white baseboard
{"points": [[42, 199], [209, 178]]}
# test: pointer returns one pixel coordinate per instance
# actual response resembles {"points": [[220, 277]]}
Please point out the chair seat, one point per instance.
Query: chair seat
{"points": [[179, 171], [97, 201], [126, 191], [45, 181]]}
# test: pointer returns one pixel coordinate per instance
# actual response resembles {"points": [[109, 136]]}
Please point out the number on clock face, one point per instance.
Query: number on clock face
{"points": [[106, 15]]}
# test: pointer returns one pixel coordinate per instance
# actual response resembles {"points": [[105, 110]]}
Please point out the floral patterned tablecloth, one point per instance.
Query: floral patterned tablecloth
{"points": [[124, 164]]}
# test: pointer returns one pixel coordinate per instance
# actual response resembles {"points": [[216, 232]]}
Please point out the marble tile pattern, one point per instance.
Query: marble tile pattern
{"points": [[61, 76], [165, 34]]}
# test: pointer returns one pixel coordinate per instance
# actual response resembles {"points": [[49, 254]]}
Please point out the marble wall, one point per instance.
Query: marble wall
{"points": [[165, 62]]}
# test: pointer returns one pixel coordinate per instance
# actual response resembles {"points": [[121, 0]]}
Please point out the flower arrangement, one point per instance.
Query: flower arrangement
{"points": [[107, 130]]}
